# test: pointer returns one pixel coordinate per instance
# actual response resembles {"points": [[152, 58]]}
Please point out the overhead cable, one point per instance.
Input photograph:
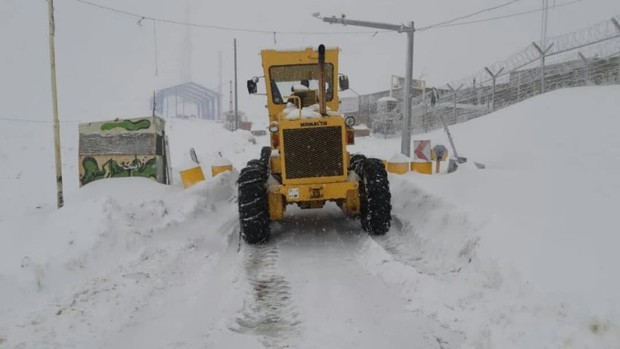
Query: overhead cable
{"points": [[446, 25], [216, 27]]}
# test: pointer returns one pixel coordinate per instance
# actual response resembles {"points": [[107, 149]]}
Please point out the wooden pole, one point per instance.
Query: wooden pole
{"points": [[52, 31]]}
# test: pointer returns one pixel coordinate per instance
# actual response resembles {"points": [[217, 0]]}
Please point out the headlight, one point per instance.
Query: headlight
{"points": [[273, 127], [349, 121]]}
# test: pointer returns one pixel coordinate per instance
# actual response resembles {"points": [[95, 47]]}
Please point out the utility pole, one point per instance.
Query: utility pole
{"points": [[405, 147], [52, 32], [543, 49], [219, 88], [236, 96]]}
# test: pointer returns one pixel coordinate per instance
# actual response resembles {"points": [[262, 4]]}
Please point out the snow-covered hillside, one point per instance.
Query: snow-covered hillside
{"points": [[521, 254]]}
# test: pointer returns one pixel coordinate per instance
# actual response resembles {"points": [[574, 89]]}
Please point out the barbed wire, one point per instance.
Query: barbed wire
{"points": [[469, 15], [497, 17]]}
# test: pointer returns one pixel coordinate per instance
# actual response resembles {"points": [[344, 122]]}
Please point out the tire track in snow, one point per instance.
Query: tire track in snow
{"points": [[435, 239], [268, 310], [322, 254]]}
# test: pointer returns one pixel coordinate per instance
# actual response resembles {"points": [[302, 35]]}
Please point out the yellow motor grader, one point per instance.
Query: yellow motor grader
{"points": [[308, 163]]}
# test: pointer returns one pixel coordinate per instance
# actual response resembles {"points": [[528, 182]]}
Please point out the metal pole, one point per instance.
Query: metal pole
{"points": [[406, 132], [405, 146], [454, 109], [493, 95], [586, 65], [236, 103], [455, 92], [52, 32], [617, 25], [543, 41], [542, 77], [543, 54]]}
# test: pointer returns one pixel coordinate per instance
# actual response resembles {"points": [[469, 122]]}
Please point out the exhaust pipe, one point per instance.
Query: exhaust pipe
{"points": [[322, 101]]}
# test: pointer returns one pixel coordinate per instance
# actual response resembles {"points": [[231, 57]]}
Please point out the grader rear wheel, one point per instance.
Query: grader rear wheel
{"points": [[375, 196]]}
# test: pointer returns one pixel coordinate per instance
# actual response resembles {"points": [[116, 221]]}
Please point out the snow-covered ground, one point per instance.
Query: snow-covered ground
{"points": [[521, 254]]}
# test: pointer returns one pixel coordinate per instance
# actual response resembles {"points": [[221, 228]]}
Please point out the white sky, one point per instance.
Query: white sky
{"points": [[106, 61]]}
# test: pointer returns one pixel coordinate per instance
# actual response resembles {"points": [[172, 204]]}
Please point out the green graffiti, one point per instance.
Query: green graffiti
{"points": [[134, 168], [117, 170], [91, 171], [127, 125], [148, 169]]}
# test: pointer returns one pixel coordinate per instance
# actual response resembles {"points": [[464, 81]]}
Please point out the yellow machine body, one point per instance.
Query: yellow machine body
{"points": [[309, 154]]}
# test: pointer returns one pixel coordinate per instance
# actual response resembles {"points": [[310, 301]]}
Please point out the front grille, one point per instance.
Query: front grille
{"points": [[313, 152]]}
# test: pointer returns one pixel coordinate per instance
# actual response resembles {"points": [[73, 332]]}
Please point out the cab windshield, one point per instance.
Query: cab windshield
{"points": [[285, 77]]}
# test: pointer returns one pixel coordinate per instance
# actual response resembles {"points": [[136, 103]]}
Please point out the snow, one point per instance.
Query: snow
{"points": [[300, 88], [399, 158], [387, 99], [221, 162], [291, 112], [522, 254]]}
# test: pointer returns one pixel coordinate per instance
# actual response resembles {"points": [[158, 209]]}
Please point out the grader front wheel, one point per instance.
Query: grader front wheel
{"points": [[253, 205]]}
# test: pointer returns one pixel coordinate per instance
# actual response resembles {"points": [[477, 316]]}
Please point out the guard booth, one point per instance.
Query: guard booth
{"points": [[124, 148], [387, 118]]}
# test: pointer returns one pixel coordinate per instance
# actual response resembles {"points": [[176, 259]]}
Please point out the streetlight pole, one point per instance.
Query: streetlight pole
{"points": [[52, 31], [405, 147]]}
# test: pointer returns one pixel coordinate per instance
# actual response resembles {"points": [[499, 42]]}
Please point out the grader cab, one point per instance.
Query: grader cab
{"points": [[308, 163]]}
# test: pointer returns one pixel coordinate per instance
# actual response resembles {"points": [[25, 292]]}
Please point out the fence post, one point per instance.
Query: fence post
{"points": [[454, 107], [617, 25], [494, 78], [543, 55], [586, 64]]}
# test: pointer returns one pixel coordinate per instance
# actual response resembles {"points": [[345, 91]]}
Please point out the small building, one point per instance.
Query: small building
{"points": [[124, 148]]}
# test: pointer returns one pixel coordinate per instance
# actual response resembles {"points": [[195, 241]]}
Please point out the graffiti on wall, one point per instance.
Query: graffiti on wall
{"points": [[129, 125], [97, 167]]}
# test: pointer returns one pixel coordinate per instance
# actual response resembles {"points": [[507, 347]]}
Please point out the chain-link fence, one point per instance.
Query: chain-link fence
{"points": [[587, 57]]}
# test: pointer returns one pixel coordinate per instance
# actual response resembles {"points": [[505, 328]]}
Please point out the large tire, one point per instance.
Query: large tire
{"points": [[375, 196], [253, 205]]}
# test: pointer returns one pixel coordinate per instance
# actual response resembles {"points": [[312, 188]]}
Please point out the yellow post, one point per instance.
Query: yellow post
{"points": [[215, 170], [424, 167], [192, 176], [398, 167]]}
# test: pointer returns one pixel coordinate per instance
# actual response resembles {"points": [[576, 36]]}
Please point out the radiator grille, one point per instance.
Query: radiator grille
{"points": [[313, 152]]}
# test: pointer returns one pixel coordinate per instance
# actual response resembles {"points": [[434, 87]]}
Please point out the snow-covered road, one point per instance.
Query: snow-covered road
{"points": [[519, 255], [310, 274]]}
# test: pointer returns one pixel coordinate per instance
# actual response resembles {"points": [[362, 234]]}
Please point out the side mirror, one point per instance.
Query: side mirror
{"points": [[252, 87], [343, 81]]}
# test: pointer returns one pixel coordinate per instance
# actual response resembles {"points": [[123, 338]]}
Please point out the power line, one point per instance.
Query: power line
{"points": [[497, 18], [216, 27], [444, 24], [469, 15], [39, 121]]}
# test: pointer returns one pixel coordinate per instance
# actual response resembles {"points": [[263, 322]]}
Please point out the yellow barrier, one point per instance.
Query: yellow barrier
{"points": [[422, 167], [215, 170], [398, 167], [192, 176]]}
